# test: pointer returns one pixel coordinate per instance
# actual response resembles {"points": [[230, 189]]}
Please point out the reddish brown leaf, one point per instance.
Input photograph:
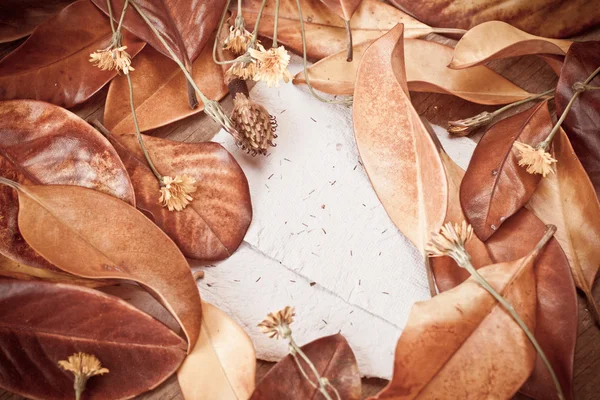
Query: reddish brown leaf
{"points": [[325, 31], [333, 359], [426, 71], [45, 144], [556, 327], [495, 186], [93, 235], [214, 224], [567, 199], [583, 121], [157, 91], [463, 344], [541, 17], [18, 18], [397, 151], [495, 39], [42, 323], [53, 64]]}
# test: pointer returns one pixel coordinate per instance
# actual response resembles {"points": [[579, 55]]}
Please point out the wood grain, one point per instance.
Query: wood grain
{"points": [[529, 72]]}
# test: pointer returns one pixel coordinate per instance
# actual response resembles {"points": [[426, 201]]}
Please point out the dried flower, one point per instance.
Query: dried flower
{"points": [[277, 324], [537, 161], [271, 65], [112, 57], [238, 40], [83, 366], [256, 127], [449, 239], [241, 70], [463, 127], [175, 192]]}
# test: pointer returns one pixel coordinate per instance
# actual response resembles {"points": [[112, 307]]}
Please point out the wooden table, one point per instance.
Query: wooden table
{"points": [[529, 72]]}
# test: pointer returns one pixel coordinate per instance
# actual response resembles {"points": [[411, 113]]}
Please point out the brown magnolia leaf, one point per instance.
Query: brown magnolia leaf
{"points": [[342, 8], [44, 144], [541, 17], [396, 149], [43, 323], [463, 344], [227, 351], [185, 25], [495, 186], [15, 270], [426, 71], [583, 120], [554, 61], [495, 39], [53, 64], [556, 315], [93, 235], [332, 357], [18, 18], [325, 31], [157, 91], [213, 225], [567, 199]]}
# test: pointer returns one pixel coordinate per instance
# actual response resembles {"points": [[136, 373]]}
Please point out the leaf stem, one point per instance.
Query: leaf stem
{"points": [[430, 278], [349, 54], [8, 182], [578, 90], [98, 125], [275, 24], [310, 88], [451, 31], [462, 257]]}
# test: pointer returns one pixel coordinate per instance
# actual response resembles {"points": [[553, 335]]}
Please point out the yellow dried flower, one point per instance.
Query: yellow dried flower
{"points": [[83, 366], [112, 58], [256, 127], [175, 192], [537, 161], [241, 70], [271, 65], [449, 239], [277, 324], [238, 40]]}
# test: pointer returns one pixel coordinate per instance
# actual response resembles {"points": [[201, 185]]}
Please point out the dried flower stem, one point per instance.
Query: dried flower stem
{"points": [[347, 101], [211, 107], [258, 17], [459, 253], [133, 113], [322, 383], [579, 88], [484, 118], [275, 24], [220, 28]]}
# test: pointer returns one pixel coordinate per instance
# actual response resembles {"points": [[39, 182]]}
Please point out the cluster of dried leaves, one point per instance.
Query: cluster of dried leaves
{"points": [[96, 285]]}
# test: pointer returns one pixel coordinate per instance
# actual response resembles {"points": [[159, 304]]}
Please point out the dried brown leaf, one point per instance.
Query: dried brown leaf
{"points": [[18, 18]]}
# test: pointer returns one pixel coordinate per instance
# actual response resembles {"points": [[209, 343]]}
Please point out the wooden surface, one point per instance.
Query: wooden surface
{"points": [[529, 72]]}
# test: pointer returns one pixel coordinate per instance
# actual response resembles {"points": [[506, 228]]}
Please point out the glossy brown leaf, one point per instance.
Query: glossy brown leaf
{"points": [[333, 359], [157, 91], [325, 31], [18, 18], [97, 236], [567, 199], [463, 344], [396, 149], [495, 186], [583, 120], [42, 323], [214, 224], [426, 71], [15, 270], [541, 17], [53, 64], [227, 351], [44, 144], [495, 39], [556, 314]]}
